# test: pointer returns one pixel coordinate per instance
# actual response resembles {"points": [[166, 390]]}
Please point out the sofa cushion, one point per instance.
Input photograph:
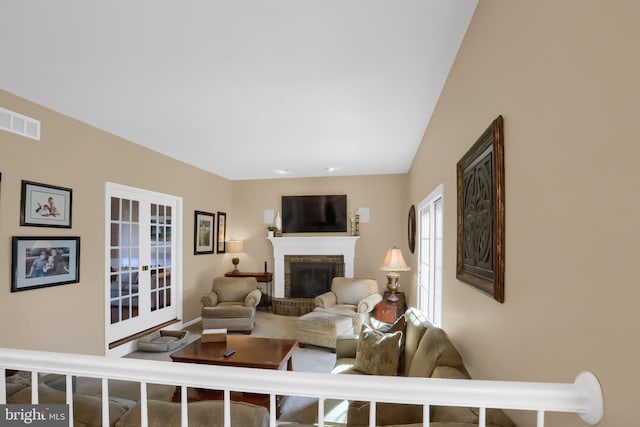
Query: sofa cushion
{"points": [[378, 352], [386, 414], [14, 388], [417, 324], [400, 325], [495, 417], [434, 349], [87, 409], [200, 414], [346, 366]]}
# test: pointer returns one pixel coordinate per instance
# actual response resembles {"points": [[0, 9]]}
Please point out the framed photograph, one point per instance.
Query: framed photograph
{"points": [[204, 227], [480, 185], [221, 236], [40, 262], [43, 205]]}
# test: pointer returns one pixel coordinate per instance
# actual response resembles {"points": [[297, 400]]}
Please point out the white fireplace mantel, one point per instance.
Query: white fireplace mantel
{"points": [[316, 245]]}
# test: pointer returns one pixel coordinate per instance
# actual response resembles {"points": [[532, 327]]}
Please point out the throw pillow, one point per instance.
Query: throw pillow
{"points": [[378, 352]]}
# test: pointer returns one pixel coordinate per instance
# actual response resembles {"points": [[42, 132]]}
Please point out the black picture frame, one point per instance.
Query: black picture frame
{"points": [[221, 235], [204, 226], [44, 205], [40, 262], [481, 214]]}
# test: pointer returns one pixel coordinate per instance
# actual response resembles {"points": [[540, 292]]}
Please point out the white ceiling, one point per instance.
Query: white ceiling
{"points": [[242, 87]]}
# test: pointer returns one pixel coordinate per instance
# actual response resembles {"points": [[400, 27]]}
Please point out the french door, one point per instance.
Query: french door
{"points": [[143, 283]]}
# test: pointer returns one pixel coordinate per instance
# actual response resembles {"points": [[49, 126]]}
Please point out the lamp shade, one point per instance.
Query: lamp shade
{"points": [[394, 261], [235, 246]]}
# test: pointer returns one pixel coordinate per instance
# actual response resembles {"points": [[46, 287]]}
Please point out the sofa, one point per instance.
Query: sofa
{"points": [[418, 349], [231, 304], [87, 409]]}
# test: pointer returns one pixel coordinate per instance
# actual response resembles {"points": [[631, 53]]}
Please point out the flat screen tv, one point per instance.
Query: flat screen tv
{"points": [[314, 214]]}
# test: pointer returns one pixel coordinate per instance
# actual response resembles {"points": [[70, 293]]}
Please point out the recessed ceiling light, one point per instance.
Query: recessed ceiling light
{"points": [[282, 171], [331, 169]]}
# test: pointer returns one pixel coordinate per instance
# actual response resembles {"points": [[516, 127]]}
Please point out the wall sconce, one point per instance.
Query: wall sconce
{"points": [[364, 215], [268, 216]]}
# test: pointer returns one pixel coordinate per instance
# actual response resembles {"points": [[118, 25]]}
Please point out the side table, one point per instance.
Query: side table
{"points": [[390, 311], [267, 291]]}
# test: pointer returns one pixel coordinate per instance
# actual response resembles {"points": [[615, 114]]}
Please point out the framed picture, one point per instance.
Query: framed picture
{"points": [[40, 262], [221, 237], [44, 205], [480, 185], [204, 225]]}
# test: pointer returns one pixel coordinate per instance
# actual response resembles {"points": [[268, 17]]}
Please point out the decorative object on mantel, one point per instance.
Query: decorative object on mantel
{"points": [[271, 230], [411, 228], [480, 182], [221, 235], [235, 247], [392, 264], [355, 223], [278, 222]]}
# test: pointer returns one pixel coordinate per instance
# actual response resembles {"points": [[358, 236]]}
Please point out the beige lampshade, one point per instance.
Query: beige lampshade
{"points": [[394, 261], [235, 246]]}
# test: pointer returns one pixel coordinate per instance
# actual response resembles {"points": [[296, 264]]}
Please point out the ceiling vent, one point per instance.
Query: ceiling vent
{"points": [[17, 123]]}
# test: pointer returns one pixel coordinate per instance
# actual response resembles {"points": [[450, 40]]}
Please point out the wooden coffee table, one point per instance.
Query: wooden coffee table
{"points": [[251, 352]]}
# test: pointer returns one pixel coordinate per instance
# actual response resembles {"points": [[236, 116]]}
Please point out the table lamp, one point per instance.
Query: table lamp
{"points": [[392, 264], [235, 247]]}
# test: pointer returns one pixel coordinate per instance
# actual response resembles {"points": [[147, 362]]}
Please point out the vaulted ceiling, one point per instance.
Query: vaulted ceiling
{"points": [[242, 88]]}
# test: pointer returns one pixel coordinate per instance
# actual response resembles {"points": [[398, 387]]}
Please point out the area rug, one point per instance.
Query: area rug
{"points": [[295, 409]]}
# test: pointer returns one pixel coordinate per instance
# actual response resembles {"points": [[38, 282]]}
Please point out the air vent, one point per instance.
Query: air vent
{"points": [[17, 123]]}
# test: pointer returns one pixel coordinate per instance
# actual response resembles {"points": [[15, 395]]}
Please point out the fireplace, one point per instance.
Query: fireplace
{"points": [[307, 276], [343, 246]]}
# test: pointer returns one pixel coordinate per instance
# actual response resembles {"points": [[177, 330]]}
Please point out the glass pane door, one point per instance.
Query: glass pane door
{"points": [[125, 266], [141, 243], [161, 245]]}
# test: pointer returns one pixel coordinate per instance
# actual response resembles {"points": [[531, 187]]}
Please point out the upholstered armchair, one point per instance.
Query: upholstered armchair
{"points": [[231, 304], [351, 297]]}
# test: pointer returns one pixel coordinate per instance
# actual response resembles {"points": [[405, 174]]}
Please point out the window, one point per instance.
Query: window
{"points": [[430, 256]]}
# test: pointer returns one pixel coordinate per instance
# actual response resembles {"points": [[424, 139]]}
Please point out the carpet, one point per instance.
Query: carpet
{"points": [[295, 409]]}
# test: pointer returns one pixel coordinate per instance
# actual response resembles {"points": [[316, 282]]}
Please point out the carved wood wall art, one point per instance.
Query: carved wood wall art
{"points": [[480, 182]]}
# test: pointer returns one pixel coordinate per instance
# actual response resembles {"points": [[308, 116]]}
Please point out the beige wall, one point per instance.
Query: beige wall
{"points": [[384, 195], [71, 154], [565, 77]]}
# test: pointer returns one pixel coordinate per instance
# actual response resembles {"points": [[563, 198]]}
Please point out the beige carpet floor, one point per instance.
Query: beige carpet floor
{"points": [[295, 409]]}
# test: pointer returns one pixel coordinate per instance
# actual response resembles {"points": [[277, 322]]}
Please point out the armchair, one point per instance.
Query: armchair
{"points": [[350, 297], [231, 304]]}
